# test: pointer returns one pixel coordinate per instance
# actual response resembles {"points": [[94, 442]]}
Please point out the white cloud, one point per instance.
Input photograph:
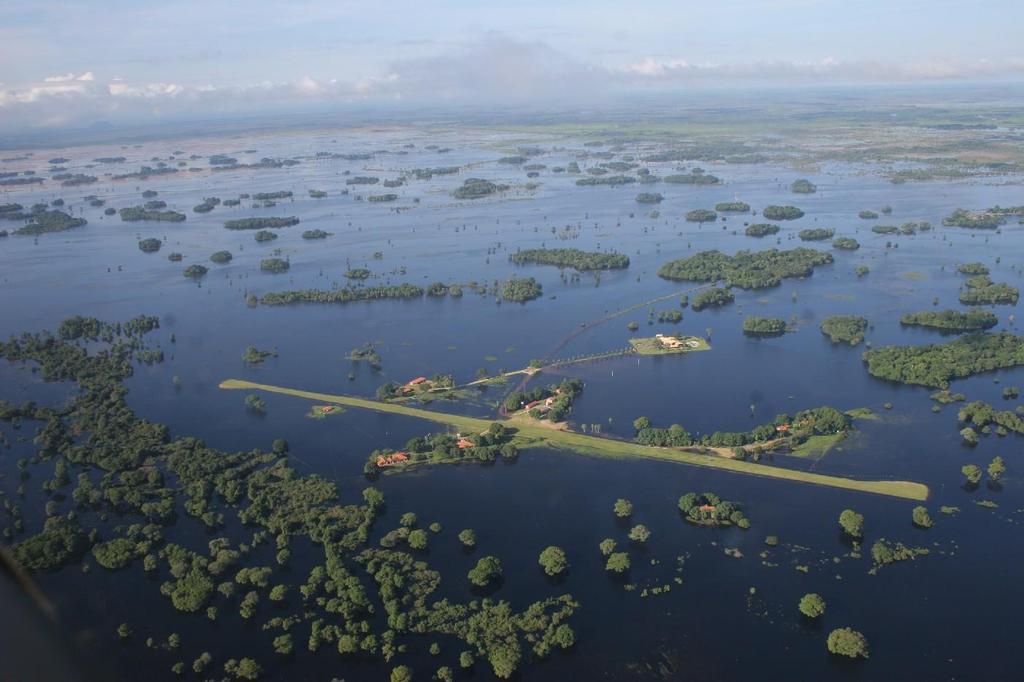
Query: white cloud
{"points": [[67, 78], [670, 70], [492, 70]]}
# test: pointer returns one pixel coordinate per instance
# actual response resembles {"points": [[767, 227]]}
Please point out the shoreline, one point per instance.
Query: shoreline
{"points": [[529, 435]]}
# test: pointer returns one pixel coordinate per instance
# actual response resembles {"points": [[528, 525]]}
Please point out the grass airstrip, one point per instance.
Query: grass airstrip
{"points": [[528, 435]]}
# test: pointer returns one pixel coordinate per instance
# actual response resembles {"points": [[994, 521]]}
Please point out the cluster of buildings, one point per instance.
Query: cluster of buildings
{"points": [[675, 343], [412, 385], [544, 404], [384, 461], [392, 459]]}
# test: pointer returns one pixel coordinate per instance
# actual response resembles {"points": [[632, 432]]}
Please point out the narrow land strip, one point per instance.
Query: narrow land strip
{"points": [[538, 436]]}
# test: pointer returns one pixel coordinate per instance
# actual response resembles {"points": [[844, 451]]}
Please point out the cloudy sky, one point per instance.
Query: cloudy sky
{"points": [[81, 61]]}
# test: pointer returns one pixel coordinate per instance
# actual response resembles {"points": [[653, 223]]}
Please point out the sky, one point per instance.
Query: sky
{"points": [[78, 62]]}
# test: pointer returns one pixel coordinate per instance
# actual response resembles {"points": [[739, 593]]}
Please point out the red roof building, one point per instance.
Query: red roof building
{"points": [[392, 459]]}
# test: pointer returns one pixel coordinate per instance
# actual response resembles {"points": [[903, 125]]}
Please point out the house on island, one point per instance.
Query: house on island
{"points": [[392, 459], [669, 342], [539, 405], [411, 385], [783, 428], [464, 443], [706, 509]]}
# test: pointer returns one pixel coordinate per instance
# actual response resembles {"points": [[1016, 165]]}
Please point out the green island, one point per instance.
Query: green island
{"points": [[754, 325], [446, 448], [221, 257], [808, 434], [477, 188], [145, 172], [521, 289], [421, 388], [381, 198], [609, 180], [74, 179], [139, 213], [746, 269], [708, 509], [701, 215], [980, 290], [668, 344], [803, 186], [817, 234], [936, 365], [209, 203], [844, 328], [867, 215], [315, 234], [528, 435], [357, 273], [984, 220], [44, 222], [195, 271], [260, 223], [552, 403], [275, 265], [150, 245], [272, 196], [694, 177], [761, 229], [782, 212], [649, 198], [572, 258], [344, 295], [972, 269], [254, 356], [265, 236], [951, 320], [732, 207], [982, 415], [715, 297], [845, 244]]}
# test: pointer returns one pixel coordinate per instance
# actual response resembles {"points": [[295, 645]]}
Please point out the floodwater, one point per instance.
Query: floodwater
{"points": [[733, 616]]}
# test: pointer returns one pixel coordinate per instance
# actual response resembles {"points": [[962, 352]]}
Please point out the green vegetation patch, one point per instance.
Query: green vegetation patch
{"points": [[782, 212], [747, 269], [937, 364], [844, 328], [974, 220], [477, 188], [761, 230], [951, 320], [43, 222], [754, 325], [260, 223], [139, 213], [817, 234], [521, 289], [572, 258]]}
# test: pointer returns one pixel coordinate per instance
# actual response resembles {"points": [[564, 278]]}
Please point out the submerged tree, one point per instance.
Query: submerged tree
{"points": [[972, 472], [553, 560], [812, 605], [852, 523], [848, 642], [921, 517]]}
